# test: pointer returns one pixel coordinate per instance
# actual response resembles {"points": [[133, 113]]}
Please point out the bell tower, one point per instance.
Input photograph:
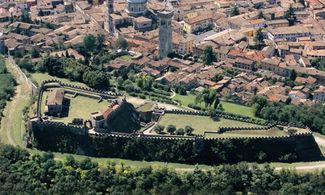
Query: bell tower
{"points": [[165, 33], [109, 25]]}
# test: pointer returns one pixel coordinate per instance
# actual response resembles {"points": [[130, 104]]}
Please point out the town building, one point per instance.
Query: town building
{"points": [[198, 23], [288, 33], [181, 44], [142, 23], [277, 23]]}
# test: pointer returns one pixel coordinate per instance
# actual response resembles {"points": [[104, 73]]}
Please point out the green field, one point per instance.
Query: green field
{"points": [[79, 107], [40, 77], [228, 106], [200, 123]]}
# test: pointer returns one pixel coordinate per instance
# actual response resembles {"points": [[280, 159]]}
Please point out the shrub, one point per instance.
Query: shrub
{"points": [[188, 130], [180, 131], [159, 129], [171, 129]]}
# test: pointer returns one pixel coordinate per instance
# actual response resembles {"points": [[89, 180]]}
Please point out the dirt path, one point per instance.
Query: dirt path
{"points": [[22, 92], [173, 94], [7, 116]]}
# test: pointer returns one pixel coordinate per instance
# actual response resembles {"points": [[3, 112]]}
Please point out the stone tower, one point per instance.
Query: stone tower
{"points": [[109, 26], [165, 33]]}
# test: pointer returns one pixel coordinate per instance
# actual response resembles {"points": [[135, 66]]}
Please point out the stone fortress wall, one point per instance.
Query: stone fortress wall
{"points": [[83, 130]]}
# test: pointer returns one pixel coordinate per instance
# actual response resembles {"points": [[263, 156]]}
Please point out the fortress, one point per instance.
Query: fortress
{"points": [[121, 122]]}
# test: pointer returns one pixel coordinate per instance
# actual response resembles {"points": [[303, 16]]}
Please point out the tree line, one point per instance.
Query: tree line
{"points": [[7, 85], [73, 70], [23, 173], [312, 116]]}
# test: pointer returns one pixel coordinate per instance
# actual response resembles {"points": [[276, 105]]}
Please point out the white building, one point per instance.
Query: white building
{"points": [[289, 33]]}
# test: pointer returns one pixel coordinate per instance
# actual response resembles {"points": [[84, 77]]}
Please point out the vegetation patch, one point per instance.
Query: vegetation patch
{"points": [[227, 106]]}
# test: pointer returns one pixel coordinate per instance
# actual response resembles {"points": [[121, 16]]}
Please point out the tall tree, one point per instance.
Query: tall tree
{"points": [[259, 39], [89, 42], [121, 43], [234, 11], [100, 39], [260, 15], [290, 16], [24, 17], [208, 55]]}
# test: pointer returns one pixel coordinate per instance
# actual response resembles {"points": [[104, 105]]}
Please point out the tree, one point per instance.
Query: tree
{"points": [[24, 17], [293, 75], [208, 55], [171, 129], [180, 131], [260, 15], [208, 96], [318, 63], [216, 102], [89, 43], [121, 43], [259, 102], [259, 39], [159, 129], [234, 11], [96, 79], [40, 13], [35, 53], [100, 39], [290, 16], [180, 89], [188, 130]]}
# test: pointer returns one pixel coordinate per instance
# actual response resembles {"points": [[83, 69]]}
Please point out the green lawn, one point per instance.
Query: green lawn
{"points": [[80, 107], [228, 106], [126, 57], [238, 109], [40, 77], [200, 123]]}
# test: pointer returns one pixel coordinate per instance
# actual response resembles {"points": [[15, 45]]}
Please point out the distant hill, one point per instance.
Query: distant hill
{"points": [[124, 118]]}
